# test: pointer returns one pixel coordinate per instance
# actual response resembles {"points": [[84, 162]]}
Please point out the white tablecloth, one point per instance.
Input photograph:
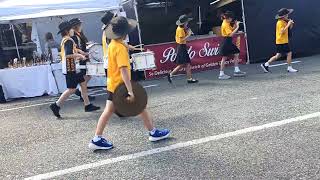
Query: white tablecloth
{"points": [[96, 81], [28, 82]]}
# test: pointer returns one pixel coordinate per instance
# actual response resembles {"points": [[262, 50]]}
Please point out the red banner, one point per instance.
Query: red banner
{"points": [[203, 54]]}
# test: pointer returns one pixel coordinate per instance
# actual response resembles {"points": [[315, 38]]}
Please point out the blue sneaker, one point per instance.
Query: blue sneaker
{"points": [[159, 135], [102, 144]]}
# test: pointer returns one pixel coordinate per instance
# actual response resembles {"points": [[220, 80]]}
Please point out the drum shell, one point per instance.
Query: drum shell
{"points": [[143, 61]]}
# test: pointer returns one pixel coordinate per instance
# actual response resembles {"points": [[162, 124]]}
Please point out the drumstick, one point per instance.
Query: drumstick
{"points": [[139, 45]]}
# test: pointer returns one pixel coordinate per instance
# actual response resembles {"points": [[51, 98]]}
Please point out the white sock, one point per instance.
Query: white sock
{"points": [[97, 138], [57, 104], [153, 131], [266, 64], [236, 69], [290, 67], [221, 73]]}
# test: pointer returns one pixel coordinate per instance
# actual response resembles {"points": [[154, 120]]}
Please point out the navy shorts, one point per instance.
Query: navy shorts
{"points": [[73, 79], [283, 48], [109, 96]]}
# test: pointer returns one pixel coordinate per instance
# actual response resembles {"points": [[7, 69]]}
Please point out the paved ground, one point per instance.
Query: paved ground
{"points": [[243, 128]]}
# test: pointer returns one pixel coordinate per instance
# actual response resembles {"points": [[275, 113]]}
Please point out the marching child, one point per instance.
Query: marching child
{"points": [[118, 73], [283, 27], [69, 57]]}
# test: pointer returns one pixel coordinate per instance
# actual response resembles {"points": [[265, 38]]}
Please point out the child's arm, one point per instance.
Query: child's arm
{"points": [[126, 80], [76, 56], [81, 52], [287, 27], [69, 51], [188, 35], [236, 29]]}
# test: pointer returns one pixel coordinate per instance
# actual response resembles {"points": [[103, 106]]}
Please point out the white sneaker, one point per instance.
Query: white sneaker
{"points": [[239, 74], [224, 77], [291, 70]]}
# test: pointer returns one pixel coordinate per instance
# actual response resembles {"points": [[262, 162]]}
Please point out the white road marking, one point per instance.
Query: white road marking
{"points": [[152, 85], [70, 99], [254, 98], [275, 65], [173, 147]]}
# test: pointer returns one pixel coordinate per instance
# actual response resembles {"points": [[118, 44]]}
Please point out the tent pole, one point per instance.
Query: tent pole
{"points": [[137, 17], [15, 40], [200, 20], [245, 31]]}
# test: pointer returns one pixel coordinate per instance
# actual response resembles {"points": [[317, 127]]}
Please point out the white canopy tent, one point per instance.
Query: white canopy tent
{"points": [[50, 12], [13, 10]]}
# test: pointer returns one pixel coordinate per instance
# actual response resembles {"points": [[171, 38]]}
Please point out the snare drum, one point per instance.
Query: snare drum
{"points": [[95, 69], [95, 52], [143, 61]]}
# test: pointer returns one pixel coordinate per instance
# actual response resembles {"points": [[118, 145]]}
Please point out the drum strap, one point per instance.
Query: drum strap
{"points": [[68, 65]]}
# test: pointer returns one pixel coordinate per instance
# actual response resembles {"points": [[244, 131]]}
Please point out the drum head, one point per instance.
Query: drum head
{"points": [[96, 53], [128, 109]]}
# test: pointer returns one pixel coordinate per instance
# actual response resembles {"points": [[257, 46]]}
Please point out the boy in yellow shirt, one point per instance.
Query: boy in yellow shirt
{"points": [[284, 24], [119, 70]]}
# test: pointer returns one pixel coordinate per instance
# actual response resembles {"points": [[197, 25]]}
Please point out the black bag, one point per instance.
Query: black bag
{"points": [[2, 98]]}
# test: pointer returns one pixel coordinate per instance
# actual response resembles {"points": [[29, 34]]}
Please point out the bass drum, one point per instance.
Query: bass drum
{"points": [[95, 52]]}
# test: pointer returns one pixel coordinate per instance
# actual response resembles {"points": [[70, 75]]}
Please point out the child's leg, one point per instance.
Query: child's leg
{"points": [[84, 93], [104, 118], [65, 95], [223, 61], [188, 71], [273, 58], [236, 60], [237, 71], [154, 133], [147, 120], [289, 58], [176, 69]]}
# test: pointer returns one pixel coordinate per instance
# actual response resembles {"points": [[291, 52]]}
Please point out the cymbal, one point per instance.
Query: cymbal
{"points": [[128, 109]]}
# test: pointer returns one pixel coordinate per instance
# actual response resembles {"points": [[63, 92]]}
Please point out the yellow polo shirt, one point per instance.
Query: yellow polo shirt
{"points": [[226, 28], [282, 38], [118, 57], [180, 35]]}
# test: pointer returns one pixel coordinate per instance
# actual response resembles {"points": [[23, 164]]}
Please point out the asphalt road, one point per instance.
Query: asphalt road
{"points": [[263, 126]]}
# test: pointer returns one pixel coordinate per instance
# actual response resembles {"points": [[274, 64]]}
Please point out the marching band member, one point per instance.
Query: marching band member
{"points": [[118, 73], [106, 21], [81, 42], [283, 27], [227, 47], [183, 59], [69, 56]]}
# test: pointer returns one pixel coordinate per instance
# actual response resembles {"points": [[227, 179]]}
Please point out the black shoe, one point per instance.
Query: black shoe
{"points": [[90, 108], [78, 92], [191, 81], [91, 98], [55, 109], [265, 68], [169, 78]]}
